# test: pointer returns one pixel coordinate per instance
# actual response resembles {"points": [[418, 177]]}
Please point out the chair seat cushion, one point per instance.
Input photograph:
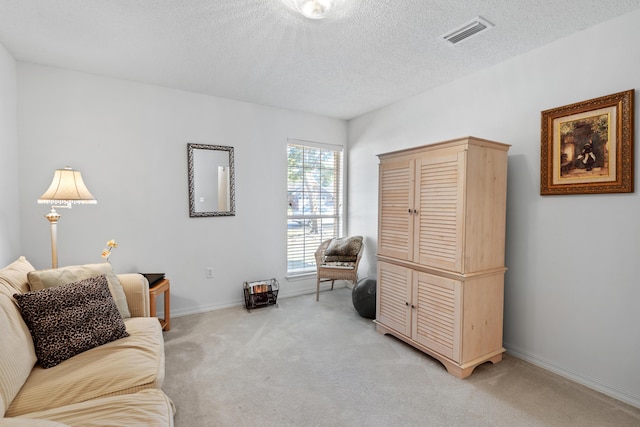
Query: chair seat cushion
{"points": [[340, 258], [338, 264]]}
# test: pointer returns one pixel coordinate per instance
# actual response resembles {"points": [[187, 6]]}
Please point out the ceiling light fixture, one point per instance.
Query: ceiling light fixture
{"points": [[314, 9]]}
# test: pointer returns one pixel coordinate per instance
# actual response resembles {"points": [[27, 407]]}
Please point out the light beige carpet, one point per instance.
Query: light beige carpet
{"points": [[307, 363]]}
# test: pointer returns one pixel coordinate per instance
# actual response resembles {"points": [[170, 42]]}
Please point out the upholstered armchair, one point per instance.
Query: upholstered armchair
{"points": [[338, 259]]}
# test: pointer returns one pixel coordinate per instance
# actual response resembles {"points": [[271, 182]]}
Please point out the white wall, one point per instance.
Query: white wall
{"points": [[130, 142], [9, 190], [572, 288]]}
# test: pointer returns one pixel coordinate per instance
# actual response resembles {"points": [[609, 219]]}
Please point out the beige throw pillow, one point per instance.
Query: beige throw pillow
{"points": [[41, 279], [14, 276]]}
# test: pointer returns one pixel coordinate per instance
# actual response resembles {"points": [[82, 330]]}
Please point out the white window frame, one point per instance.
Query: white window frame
{"points": [[297, 221]]}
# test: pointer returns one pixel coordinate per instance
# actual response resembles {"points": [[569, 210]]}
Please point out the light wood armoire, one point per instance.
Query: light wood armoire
{"points": [[441, 239]]}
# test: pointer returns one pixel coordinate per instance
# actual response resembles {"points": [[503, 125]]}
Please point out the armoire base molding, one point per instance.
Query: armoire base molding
{"points": [[460, 371]]}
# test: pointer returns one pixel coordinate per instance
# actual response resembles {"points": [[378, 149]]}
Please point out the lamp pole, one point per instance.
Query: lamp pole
{"points": [[53, 218]]}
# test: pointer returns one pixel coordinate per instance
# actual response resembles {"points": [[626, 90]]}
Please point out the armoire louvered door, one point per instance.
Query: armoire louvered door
{"points": [[436, 322], [441, 236], [439, 198], [393, 308], [396, 209]]}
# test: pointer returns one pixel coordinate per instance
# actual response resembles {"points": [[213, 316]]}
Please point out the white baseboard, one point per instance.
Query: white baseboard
{"points": [[240, 302], [588, 382]]}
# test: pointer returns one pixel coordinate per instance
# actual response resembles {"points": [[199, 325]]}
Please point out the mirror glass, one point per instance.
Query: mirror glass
{"points": [[211, 180]]}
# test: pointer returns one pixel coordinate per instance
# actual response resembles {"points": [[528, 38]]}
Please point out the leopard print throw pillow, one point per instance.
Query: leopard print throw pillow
{"points": [[69, 319]]}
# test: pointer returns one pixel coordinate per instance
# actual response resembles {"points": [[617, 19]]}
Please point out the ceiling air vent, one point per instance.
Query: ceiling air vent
{"points": [[463, 32]]}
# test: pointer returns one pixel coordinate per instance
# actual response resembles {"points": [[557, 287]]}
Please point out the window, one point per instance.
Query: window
{"points": [[314, 213]]}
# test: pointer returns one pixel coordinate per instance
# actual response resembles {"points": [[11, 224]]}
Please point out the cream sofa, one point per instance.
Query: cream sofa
{"points": [[114, 384]]}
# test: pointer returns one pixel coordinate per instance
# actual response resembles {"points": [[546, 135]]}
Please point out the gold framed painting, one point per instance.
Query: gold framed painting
{"points": [[587, 147]]}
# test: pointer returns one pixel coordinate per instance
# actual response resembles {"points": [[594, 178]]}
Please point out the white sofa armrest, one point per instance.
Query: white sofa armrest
{"points": [[136, 289]]}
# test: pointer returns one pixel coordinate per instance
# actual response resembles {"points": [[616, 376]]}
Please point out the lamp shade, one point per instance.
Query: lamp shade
{"points": [[67, 187]]}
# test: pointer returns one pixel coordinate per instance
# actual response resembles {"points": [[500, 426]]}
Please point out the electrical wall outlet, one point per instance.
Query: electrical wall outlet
{"points": [[209, 272]]}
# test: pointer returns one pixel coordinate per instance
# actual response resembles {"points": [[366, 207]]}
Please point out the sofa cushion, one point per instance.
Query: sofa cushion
{"points": [[69, 319], [150, 407], [41, 279], [29, 422], [17, 355], [14, 276], [120, 367]]}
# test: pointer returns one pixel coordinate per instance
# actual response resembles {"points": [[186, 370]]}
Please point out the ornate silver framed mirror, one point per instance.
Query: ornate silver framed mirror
{"points": [[211, 180]]}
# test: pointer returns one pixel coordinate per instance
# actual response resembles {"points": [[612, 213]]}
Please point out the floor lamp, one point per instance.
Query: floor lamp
{"points": [[66, 189]]}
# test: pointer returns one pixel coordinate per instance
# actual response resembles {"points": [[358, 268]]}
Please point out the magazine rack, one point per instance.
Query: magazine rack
{"points": [[260, 293]]}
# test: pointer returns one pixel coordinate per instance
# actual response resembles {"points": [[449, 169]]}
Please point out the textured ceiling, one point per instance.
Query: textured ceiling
{"points": [[367, 54]]}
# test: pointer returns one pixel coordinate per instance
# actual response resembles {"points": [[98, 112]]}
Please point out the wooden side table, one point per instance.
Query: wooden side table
{"points": [[161, 287]]}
